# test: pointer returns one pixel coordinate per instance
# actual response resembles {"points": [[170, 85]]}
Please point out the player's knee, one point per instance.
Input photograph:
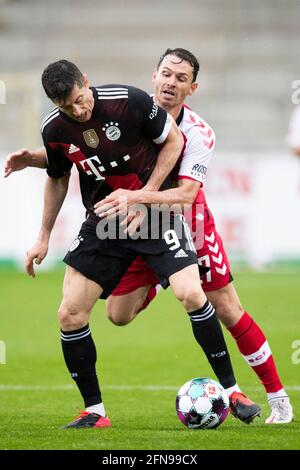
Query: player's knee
{"points": [[116, 320], [118, 313], [71, 319], [192, 297], [119, 318]]}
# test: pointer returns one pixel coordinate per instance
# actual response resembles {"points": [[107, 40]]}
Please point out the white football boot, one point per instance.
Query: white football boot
{"points": [[282, 411]]}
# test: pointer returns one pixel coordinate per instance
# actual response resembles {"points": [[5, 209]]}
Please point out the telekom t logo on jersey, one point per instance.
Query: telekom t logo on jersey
{"points": [[90, 168], [93, 166]]}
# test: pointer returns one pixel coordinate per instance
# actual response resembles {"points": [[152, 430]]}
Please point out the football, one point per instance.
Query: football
{"points": [[202, 403]]}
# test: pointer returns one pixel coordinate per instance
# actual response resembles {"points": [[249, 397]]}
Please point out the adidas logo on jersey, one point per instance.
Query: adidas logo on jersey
{"points": [[73, 149], [181, 254]]}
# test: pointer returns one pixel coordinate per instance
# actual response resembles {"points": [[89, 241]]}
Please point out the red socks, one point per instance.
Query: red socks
{"points": [[256, 351]]}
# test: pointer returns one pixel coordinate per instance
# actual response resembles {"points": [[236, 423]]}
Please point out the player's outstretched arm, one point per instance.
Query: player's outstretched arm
{"points": [[24, 158], [54, 195]]}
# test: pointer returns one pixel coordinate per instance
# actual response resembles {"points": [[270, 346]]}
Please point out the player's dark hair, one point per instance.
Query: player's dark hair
{"points": [[59, 78], [184, 55]]}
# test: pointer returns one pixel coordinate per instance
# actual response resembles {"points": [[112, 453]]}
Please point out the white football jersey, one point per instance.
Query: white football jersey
{"points": [[200, 143]]}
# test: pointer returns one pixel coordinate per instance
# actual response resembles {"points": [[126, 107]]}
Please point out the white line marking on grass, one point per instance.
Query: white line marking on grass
{"points": [[147, 388], [35, 388]]}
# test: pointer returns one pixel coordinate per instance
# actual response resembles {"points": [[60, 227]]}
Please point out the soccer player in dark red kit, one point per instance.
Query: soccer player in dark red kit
{"points": [[111, 134]]}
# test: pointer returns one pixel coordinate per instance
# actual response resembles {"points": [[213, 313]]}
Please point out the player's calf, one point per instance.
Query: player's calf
{"points": [[227, 304]]}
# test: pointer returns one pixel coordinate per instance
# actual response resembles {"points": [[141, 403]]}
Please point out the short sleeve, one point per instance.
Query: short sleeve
{"points": [[154, 121], [197, 155], [58, 164]]}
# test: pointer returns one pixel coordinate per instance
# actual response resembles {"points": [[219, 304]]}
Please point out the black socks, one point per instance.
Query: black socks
{"points": [[208, 332], [80, 357]]}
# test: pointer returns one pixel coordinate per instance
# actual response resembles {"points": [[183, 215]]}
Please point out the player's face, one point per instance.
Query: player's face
{"points": [[173, 82], [79, 104]]}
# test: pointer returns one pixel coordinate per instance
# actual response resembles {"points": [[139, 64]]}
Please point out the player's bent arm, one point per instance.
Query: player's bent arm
{"points": [[184, 194], [54, 195], [24, 158], [166, 159]]}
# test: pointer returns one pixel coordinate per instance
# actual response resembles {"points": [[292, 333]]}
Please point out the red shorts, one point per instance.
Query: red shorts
{"points": [[137, 275], [213, 256]]}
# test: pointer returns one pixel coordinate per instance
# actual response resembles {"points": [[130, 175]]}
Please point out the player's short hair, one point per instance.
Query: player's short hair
{"points": [[184, 55], [59, 78]]}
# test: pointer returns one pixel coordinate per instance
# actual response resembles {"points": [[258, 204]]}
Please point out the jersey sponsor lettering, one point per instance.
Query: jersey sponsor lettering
{"points": [[154, 111], [199, 170]]}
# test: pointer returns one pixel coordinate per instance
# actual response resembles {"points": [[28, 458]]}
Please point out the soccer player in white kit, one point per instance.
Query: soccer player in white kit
{"points": [[175, 79]]}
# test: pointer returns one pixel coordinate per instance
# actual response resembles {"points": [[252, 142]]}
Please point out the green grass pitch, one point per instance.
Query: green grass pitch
{"points": [[140, 368]]}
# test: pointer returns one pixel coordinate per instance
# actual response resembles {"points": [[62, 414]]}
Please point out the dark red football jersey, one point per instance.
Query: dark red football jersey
{"points": [[116, 148]]}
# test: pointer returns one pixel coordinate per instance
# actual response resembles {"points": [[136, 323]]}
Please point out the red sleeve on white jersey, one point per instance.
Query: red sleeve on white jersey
{"points": [[198, 150]]}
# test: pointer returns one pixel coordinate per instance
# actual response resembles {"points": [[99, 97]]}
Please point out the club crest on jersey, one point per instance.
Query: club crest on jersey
{"points": [[112, 130], [76, 243], [91, 139]]}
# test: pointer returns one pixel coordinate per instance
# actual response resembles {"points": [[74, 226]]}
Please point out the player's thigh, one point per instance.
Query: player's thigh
{"points": [[227, 304], [121, 309], [186, 286], [79, 293]]}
